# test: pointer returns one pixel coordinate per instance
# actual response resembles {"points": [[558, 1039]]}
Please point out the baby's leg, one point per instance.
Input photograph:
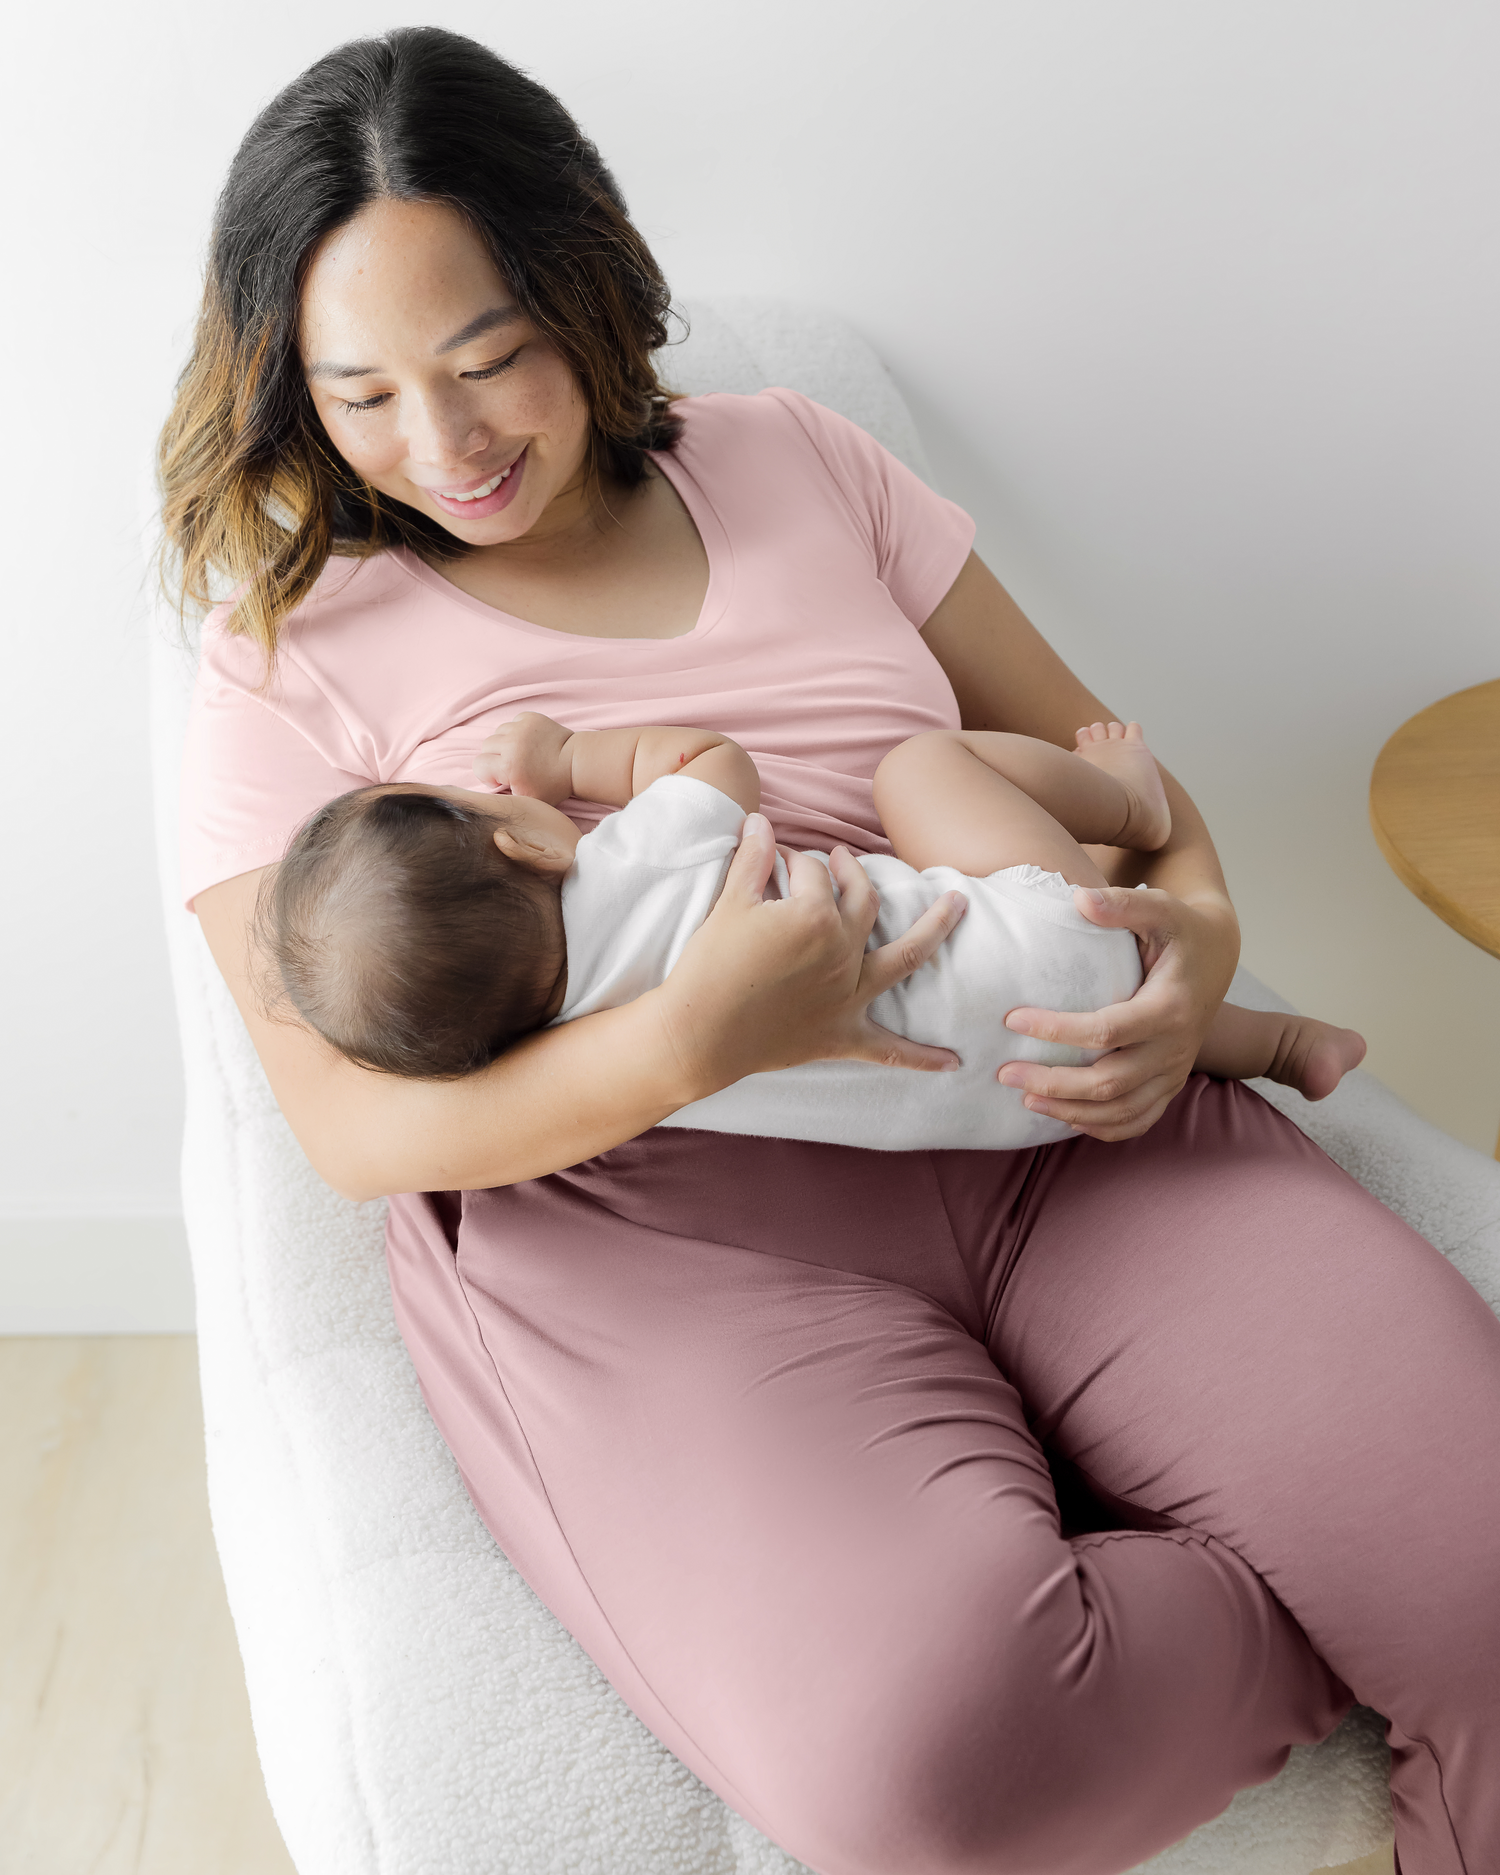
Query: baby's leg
{"points": [[1297, 1051], [982, 799]]}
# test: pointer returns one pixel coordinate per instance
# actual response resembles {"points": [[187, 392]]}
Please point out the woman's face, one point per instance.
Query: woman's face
{"points": [[433, 384]]}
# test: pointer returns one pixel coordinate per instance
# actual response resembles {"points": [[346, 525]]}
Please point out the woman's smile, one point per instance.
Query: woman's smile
{"points": [[481, 499]]}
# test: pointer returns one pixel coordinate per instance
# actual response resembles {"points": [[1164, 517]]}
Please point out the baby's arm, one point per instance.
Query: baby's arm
{"points": [[534, 755]]}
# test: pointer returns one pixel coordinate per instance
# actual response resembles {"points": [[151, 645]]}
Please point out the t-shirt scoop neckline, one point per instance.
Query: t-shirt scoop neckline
{"points": [[713, 536], [824, 557]]}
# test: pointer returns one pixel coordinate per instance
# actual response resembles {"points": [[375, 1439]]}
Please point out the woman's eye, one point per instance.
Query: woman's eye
{"points": [[493, 371], [382, 397]]}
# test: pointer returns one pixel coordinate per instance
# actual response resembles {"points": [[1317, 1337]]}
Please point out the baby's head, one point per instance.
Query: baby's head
{"points": [[419, 930]]}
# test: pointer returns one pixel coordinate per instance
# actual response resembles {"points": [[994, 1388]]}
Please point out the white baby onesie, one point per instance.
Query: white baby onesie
{"points": [[647, 877]]}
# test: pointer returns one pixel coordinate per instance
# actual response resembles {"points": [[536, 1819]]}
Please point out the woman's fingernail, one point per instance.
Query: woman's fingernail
{"points": [[756, 823], [1094, 897], [1009, 1077]]}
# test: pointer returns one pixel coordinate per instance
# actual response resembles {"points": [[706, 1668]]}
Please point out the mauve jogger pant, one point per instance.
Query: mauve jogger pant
{"points": [[772, 1428]]}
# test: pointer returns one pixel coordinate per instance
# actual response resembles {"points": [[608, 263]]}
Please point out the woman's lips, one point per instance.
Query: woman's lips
{"points": [[478, 509]]}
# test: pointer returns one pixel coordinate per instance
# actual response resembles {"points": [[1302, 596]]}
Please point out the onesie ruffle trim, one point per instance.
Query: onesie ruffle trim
{"points": [[1052, 883]]}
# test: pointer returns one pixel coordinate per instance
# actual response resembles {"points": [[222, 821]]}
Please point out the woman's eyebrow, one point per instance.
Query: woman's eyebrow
{"points": [[486, 322], [482, 323]]}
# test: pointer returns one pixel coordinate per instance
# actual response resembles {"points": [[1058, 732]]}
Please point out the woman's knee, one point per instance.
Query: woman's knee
{"points": [[900, 1792], [1084, 1725]]}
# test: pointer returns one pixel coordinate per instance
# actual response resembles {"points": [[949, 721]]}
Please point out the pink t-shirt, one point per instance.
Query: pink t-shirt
{"points": [[825, 555]]}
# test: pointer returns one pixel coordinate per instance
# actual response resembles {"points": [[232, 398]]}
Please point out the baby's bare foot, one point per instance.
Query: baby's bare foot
{"points": [[1315, 1056], [1120, 750]]}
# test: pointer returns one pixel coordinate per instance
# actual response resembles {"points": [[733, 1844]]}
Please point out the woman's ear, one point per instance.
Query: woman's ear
{"points": [[532, 847]]}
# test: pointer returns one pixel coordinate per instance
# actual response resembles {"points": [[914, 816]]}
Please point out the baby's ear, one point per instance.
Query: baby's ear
{"points": [[537, 850]]}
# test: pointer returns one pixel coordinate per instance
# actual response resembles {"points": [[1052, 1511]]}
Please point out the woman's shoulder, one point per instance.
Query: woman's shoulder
{"points": [[777, 417], [781, 438], [347, 594]]}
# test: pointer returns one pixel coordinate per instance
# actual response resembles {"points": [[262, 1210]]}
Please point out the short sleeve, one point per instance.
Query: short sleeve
{"points": [[677, 823], [919, 539], [642, 883], [253, 766]]}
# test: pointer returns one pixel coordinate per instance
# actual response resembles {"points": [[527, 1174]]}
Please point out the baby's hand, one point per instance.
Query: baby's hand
{"points": [[528, 756]]}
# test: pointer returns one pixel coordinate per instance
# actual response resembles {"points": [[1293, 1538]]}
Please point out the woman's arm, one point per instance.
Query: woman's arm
{"points": [[1006, 676], [759, 985]]}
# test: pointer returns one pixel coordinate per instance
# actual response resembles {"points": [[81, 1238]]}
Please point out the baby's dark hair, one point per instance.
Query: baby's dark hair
{"points": [[406, 938]]}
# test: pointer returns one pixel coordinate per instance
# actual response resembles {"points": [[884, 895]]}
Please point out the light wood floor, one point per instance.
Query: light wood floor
{"points": [[125, 1743]]}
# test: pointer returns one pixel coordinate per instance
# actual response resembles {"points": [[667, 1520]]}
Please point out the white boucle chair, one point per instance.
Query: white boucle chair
{"points": [[418, 1711]]}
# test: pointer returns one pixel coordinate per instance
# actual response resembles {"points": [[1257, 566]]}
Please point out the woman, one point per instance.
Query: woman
{"points": [[772, 1427]]}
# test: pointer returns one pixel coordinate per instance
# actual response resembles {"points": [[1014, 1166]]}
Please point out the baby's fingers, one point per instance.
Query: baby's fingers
{"points": [[492, 767]]}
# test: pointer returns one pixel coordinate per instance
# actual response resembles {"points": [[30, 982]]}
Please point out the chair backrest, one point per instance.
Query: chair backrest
{"points": [[746, 344]]}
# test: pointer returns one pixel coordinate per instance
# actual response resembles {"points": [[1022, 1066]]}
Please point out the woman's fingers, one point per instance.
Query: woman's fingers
{"points": [[764, 985], [1125, 1118], [859, 906], [1157, 1009], [1147, 914], [898, 959], [1113, 1077], [751, 866], [1119, 1025], [895, 1051], [1153, 918]]}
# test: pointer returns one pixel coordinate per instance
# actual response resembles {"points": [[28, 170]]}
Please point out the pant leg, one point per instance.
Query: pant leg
{"points": [[1218, 1327], [727, 1405]]}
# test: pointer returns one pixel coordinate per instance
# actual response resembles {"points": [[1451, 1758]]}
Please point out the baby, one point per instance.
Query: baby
{"points": [[421, 930]]}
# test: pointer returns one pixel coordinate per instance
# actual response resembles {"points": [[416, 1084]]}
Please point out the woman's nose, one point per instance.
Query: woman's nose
{"points": [[439, 436]]}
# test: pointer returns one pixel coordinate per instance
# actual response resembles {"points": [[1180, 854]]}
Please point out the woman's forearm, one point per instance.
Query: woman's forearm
{"points": [[553, 1100], [1187, 867], [1006, 676]]}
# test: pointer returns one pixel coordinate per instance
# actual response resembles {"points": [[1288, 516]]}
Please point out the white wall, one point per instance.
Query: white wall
{"points": [[1196, 305]]}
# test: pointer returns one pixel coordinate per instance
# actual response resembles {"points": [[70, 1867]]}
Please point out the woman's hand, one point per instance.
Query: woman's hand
{"points": [[768, 984], [1188, 953]]}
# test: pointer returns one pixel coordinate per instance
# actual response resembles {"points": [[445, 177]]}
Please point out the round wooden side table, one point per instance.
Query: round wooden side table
{"points": [[1435, 809]]}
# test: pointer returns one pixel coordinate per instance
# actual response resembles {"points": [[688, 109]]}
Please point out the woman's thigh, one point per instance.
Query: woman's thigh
{"points": [[727, 1404], [1219, 1328]]}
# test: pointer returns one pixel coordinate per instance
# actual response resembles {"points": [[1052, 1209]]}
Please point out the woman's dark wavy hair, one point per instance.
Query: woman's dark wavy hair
{"points": [[253, 492]]}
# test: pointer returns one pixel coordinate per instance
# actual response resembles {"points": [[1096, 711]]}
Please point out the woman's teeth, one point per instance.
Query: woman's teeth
{"points": [[484, 488]]}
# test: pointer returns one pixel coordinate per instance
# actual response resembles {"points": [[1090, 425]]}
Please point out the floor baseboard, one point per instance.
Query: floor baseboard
{"points": [[94, 1276]]}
